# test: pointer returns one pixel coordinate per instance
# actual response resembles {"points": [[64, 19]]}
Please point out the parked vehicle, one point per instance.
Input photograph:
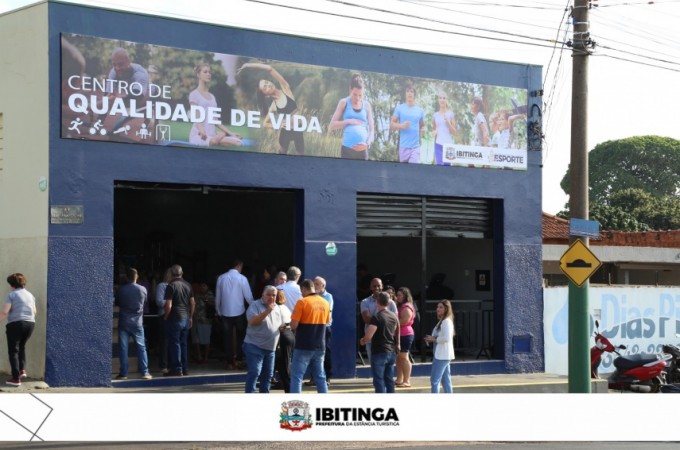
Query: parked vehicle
{"points": [[673, 368], [639, 373]]}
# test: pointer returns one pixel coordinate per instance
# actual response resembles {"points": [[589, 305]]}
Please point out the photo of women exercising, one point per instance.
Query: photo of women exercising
{"points": [[355, 117], [444, 127], [205, 133], [277, 100]]}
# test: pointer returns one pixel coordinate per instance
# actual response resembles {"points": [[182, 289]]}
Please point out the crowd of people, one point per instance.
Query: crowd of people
{"points": [[287, 330], [388, 317]]}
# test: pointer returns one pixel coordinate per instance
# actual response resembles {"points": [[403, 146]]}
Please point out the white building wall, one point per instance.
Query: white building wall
{"points": [[24, 161]]}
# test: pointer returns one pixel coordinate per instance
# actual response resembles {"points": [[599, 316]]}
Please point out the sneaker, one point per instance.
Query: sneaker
{"points": [[172, 374], [14, 382], [147, 376], [121, 377], [164, 371], [22, 374]]}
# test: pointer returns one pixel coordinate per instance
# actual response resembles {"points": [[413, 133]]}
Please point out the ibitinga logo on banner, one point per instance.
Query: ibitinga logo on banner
{"points": [[296, 415]]}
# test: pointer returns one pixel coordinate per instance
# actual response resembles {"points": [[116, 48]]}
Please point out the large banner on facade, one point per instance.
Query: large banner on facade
{"points": [[140, 93], [641, 318]]}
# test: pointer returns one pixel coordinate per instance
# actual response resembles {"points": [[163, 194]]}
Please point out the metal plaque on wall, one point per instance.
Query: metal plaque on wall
{"points": [[67, 214]]}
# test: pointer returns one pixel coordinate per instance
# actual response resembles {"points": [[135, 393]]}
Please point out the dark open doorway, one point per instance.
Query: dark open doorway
{"points": [[202, 228]]}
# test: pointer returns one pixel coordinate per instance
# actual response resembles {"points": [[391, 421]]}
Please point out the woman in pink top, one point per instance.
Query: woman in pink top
{"points": [[406, 317]]}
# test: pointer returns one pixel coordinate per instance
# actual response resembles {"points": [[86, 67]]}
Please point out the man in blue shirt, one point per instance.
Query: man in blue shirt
{"points": [[130, 298]]}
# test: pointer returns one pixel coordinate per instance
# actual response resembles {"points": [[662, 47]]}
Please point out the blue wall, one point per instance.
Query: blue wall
{"points": [[80, 275]]}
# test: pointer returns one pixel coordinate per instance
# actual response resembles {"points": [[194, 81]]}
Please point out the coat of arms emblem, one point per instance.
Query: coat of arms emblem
{"points": [[295, 415]]}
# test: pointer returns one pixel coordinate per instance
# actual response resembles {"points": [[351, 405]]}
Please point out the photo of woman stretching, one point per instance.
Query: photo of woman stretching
{"points": [[205, 133], [355, 117], [279, 100]]}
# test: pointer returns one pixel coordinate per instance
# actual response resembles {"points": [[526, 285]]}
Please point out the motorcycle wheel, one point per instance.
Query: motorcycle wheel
{"points": [[673, 377], [656, 385]]}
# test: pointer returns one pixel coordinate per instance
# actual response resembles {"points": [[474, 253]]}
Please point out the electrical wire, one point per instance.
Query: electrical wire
{"points": [[484, 16], [368, 8]]}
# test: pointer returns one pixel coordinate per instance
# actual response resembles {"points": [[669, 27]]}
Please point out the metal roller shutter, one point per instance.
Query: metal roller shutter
{"points": [[408, 216]]}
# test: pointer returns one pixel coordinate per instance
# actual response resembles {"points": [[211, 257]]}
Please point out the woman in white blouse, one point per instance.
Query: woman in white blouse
{"points": [[442, 338]]}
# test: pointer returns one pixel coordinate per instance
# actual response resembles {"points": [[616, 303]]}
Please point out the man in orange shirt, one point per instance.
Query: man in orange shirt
{"points": [[309, 319]]}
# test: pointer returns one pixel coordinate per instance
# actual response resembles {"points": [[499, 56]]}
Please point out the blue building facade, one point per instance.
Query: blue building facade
{"points": [[324, 190]]}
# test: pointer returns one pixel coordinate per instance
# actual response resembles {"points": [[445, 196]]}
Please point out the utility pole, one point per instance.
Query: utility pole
{"points": [[579, 321]]}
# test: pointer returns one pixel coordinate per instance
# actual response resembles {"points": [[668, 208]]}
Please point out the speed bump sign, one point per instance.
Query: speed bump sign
{"points": [[578, 263]]}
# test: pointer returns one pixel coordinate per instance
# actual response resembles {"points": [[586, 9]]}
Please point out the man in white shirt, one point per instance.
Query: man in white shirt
{"points": [[231, 292], [291, 287]]}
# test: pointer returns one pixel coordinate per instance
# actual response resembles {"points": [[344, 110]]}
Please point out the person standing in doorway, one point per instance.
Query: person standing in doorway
{"points": [[442, 338], [162, 332], [130, 298], [320, 288], [179, 309], [309, 320], [20, 312], [383, 333], [231, 292], [280, 279], [201, 330], [369, 307], [291, 287], [284, 353]]}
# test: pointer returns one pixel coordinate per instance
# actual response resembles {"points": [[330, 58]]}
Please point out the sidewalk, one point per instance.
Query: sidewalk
{"points": [[233, 383]]}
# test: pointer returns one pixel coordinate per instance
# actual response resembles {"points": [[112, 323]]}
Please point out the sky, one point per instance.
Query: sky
{"points": [[633, 76]]}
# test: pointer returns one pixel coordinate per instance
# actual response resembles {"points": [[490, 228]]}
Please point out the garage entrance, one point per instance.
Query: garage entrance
{"points": [[439, 247]]}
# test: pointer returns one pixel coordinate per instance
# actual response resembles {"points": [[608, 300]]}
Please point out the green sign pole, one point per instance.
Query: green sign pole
{"points": [[579, 337]]}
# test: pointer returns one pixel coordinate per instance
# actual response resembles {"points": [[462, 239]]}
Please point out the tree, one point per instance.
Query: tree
{"points": [[649, 163], [634, 184]]}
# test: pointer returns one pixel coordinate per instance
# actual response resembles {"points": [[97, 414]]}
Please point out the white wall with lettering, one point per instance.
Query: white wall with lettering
{"points": [[641, 318]]}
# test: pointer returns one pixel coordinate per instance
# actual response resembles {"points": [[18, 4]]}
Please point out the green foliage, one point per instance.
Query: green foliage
{"points": [[634, 183], [636, 210], [650, 163]]}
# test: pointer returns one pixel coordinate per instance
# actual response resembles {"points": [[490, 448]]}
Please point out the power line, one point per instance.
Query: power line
{"points": [[640, 56], [485, 16], [416, 27], [637, 62], [342, 2], [505, 5]]}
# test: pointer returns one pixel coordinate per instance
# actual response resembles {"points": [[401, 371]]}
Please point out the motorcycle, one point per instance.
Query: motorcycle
{"points": [[673, 369], [637, 373]]}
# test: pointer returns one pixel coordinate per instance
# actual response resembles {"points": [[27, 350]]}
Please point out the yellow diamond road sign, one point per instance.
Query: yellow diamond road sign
{"points": [[578, 263]]}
